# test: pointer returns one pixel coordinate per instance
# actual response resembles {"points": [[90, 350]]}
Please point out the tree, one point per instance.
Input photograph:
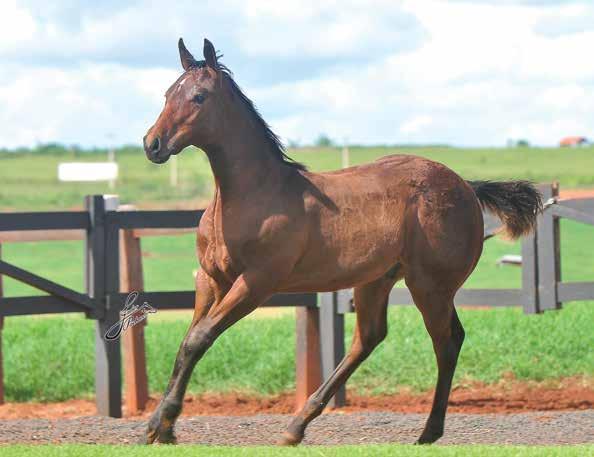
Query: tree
{"points": [[324, 141], [523, 143]]}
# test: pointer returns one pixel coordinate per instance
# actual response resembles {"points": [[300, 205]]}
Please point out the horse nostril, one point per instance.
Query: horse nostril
{"points": [[156, 145]]}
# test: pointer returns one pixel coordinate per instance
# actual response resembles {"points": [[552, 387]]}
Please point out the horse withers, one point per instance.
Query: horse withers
{"points": [[273, 227]]}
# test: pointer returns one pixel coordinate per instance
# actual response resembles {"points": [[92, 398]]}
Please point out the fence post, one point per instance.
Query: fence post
{"points": [[131, 279], [1, 329], [308, 373], [530, 274], [332, 333], [99, 280], [548, 257]]}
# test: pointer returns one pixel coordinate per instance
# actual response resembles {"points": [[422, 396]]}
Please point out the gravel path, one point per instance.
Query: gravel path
{"points": [[572, 427]]}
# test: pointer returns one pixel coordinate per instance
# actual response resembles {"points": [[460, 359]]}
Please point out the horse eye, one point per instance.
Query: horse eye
{"points": [[200, 98]]}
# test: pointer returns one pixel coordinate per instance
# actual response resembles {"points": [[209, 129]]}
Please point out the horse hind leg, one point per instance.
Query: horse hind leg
{"points": [[447, 334], [371, 302]]}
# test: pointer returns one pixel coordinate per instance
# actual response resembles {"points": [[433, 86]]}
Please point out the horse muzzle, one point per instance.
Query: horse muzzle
{"points": [[155, 149]]}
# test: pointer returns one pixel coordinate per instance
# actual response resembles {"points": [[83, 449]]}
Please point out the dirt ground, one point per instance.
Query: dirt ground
{"points": [[506, 397], [576, 193], [571, 427], [510, 412]]}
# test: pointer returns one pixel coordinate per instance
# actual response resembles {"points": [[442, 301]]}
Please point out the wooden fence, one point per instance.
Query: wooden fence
{"points": [[99, 226], [113, 267]]}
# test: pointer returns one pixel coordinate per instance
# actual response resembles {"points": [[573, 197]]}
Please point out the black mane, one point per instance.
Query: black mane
{"points": [[272, 138]]}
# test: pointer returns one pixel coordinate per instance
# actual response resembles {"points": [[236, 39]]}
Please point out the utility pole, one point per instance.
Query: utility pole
{"points": [[173, 171], [111, 158], [345, 154]]}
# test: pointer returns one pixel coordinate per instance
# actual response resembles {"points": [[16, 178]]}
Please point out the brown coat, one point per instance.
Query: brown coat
{"points": [[274, 227]]}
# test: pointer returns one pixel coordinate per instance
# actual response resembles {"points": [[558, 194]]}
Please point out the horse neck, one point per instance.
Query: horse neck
{"points": [[242, 161]]}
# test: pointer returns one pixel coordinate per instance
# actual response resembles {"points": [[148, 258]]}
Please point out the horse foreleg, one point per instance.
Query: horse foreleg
{"points": [[207, 293], [241, 299], [370, 305]]}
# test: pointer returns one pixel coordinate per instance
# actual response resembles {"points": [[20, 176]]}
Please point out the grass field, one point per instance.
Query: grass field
{"points": [[41, 365], [309, 451], [29, 180], [257, 355]]}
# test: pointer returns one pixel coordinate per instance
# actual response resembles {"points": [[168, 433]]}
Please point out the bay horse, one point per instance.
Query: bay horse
{"points": [[274, 227]]}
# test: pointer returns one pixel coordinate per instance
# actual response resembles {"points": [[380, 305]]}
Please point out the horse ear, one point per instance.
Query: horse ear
{"points": [[210, 55], [187, 59]]}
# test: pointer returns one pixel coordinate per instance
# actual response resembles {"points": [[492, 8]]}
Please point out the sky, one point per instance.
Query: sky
{"points": [[467, 73]]}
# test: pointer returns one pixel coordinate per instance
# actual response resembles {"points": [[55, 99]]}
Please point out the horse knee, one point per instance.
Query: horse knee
{"points": [[198, 341]]}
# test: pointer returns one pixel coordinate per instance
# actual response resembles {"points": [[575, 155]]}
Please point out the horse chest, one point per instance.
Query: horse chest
{"points": [[217, 262], [227, 245]]}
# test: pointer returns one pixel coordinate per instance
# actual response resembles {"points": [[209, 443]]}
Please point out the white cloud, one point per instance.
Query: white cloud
{"points": [[575, 18], [326, 28], [17, 25], [415, 124], [371, 71], [98, 103], [138, 31], [483, 76]]}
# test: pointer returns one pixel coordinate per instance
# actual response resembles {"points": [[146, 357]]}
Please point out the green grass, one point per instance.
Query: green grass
{"points": [[41, 365], [536, 164], [51, 358], [303, 451], [29, 180]]}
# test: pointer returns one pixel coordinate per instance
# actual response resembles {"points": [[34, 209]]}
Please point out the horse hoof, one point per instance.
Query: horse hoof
{"points": [[167, 437], [289, 439], [158, 436], [148, 437], [144, 440], [428, 438]]}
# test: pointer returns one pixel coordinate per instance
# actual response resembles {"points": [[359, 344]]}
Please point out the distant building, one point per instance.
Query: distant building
{"points": [[572, 141]]}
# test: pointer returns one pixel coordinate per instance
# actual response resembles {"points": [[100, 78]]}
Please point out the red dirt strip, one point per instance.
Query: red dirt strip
{"points": [[508, 396], [575, 193]]}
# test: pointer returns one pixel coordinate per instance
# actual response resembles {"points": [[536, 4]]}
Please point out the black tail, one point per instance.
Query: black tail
{"points": [[516, 203]]}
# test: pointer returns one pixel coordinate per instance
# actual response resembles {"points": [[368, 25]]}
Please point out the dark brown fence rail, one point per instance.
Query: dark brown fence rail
{"points": [[580, 210], [101, 227], [113, 267]]}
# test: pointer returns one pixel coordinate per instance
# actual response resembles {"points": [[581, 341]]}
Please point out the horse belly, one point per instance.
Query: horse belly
{"points": [[348, 251]]}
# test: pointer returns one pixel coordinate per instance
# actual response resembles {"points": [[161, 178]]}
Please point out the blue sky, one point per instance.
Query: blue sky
{"points": [[368, 71]]}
